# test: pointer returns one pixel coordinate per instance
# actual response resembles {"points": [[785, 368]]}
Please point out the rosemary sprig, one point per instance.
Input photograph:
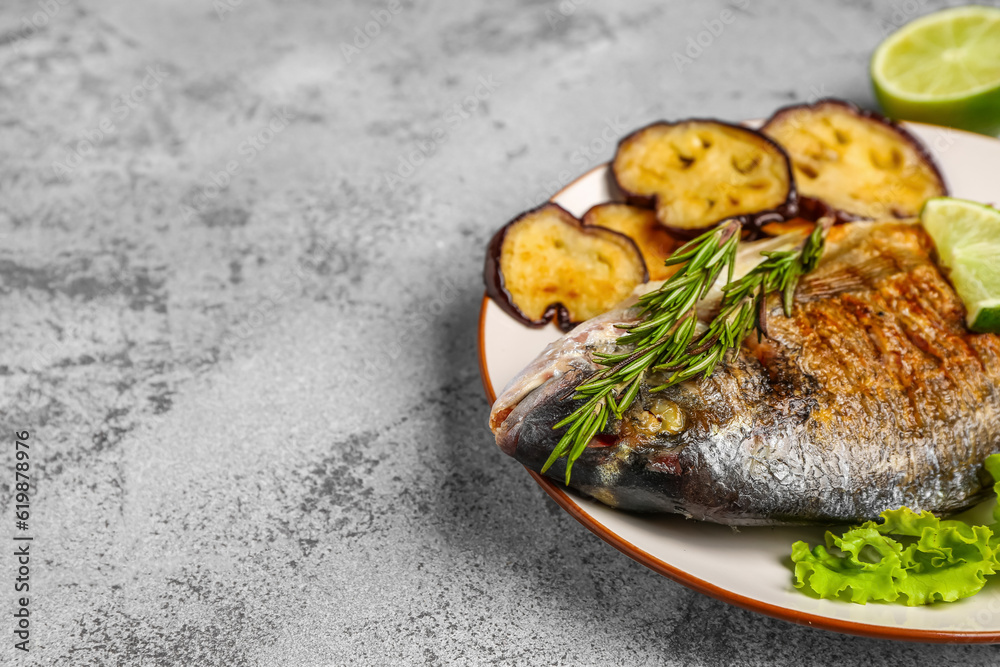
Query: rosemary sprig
{"points": [[663, 339]]}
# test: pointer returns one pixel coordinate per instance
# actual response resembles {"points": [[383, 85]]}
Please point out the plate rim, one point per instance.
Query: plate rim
{"points": [[566, 502]]}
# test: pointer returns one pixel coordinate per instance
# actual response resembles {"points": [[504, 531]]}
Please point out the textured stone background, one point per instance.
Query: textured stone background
{"points": [[257, 423]]}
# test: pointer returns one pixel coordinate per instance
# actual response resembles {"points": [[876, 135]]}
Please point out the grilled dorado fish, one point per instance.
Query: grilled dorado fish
{"points": [[873, 395]]}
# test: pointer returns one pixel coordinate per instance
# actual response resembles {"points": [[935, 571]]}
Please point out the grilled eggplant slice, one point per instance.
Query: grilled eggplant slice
{"points": [[545, 263], [854, 164], [639, 224], [697, 173]]}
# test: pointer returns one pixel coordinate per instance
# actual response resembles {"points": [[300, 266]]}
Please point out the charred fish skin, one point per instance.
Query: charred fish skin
{"points": [[872, 396]]}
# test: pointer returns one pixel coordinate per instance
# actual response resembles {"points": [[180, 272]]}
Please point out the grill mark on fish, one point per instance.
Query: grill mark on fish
{"points": [[958, 363], [873, 395]]}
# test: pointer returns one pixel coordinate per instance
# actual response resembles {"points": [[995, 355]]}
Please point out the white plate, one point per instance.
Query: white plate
{"points": [[751, 568]]}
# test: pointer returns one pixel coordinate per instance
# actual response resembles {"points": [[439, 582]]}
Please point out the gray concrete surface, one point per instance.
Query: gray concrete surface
{"points": [[239, 298]]}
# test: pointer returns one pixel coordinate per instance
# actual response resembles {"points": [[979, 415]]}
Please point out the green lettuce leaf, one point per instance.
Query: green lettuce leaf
{"points": [[914, 556], [829, 576], [992, 465]]}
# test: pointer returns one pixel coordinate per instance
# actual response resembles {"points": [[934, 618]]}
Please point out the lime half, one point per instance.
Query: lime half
{"points": [[967, 236], [943, 68]]}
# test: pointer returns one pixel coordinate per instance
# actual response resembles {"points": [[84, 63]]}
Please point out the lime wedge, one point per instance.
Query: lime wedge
{"points": [[967, 237], [943, 68]]}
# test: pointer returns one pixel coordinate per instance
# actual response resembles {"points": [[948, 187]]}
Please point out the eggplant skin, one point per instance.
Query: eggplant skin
{"points": [[812, 204], [753, 220], [496, 283]]}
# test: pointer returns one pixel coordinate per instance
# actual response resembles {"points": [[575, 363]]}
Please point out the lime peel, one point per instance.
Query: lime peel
{"points": [[943, 68], [967, 237]]}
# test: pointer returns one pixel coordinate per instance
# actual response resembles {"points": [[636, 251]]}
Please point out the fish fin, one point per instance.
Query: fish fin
{"points": [[844, 276], [858, 256]]}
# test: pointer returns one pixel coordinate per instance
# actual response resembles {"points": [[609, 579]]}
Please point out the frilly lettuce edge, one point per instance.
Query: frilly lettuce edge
{"points": [[907, 557]]}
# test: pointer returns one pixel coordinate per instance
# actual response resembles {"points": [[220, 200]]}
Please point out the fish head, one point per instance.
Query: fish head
{"points": [[548, 381], [634, 462]]}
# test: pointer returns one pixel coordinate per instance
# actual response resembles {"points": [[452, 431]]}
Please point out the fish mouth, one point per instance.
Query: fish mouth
{"points": [[534, 417], [527, 435]]}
